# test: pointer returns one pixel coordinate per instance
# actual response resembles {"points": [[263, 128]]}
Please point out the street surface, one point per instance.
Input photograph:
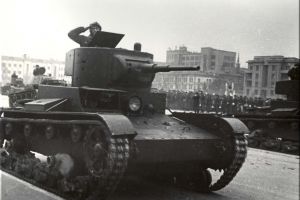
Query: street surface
{"points": [[264, 176]]}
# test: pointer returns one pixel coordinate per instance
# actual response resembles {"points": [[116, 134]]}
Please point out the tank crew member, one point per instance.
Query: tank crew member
{"points": [[83, 40]]}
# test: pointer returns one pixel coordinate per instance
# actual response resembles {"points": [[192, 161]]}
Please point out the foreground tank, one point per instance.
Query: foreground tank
{"points": [[277, 127], [108, 123]]}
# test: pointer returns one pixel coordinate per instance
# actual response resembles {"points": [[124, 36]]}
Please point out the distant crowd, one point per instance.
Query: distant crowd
{"points": [[206, 103]]}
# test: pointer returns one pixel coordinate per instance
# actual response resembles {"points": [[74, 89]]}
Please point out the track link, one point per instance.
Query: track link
{"points": [[240, 153]]}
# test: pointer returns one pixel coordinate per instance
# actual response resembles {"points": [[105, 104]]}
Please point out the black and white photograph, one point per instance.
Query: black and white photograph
{"points": [[149, 100]]}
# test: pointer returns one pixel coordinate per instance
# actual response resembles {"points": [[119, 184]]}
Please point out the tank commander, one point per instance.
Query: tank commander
{"points": [[83, 40]]}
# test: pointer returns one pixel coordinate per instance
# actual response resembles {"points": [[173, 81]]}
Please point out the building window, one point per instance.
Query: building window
{"points": [[248, 76], [283, 67], [263, 93], [273, 76], [256, 84], [15, 65], [212, 57], [3, 64], [191, 79], [272, 84], [273, 67], [251, 67], [257, 67], [256, 92], [248, 91], [256, 76], [272, 92], [249, 83]]}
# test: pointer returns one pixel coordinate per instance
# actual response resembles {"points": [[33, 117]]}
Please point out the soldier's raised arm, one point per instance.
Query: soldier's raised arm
{"points": [[75, 35]]}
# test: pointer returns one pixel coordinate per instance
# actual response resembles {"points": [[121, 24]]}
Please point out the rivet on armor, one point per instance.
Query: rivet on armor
{"points": [[27, 130], [49, 132]]}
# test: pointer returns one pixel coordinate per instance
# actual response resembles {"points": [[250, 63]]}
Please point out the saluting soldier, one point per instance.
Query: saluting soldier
{"points": [[83, 40]]}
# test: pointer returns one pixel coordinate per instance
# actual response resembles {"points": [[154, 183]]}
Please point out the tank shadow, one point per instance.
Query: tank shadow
{"points": [[140, 188]]}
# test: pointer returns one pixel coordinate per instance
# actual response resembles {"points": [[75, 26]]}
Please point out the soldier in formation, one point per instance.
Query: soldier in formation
{"points": [[201, 102]]}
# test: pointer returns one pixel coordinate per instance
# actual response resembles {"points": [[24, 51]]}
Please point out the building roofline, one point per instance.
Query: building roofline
{"points": [[217, 49], [275, 58], [10, 58]]}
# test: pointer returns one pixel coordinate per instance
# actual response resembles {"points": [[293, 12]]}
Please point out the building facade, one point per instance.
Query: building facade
{"points": [[262, 74], [217, 61], [182, 81], [183, 57], [23, 67], [218, 68]]}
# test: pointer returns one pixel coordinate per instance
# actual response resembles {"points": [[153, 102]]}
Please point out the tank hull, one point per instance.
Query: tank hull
{"points": [[276, 133]]}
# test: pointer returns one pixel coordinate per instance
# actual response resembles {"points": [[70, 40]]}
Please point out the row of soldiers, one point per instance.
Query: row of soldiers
{"points": [[205, 102]]}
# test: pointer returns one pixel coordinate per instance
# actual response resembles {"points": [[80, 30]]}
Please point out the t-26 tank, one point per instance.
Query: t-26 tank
{"points": [[108, 122], [278, 128]]}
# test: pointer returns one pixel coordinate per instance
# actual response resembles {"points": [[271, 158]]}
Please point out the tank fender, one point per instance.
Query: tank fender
{"points": [[238, 127], [222, 126], [118, 124]]}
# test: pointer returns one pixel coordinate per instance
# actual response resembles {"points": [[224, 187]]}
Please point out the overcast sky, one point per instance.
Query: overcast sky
{"points": [[250, 27]]}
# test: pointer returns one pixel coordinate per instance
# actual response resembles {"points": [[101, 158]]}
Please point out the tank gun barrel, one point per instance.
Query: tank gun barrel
{"points": [[154, 68]]}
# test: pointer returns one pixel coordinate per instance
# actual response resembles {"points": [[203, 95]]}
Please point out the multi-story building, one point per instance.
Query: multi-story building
{"points": [[262, 74], [24, 66], [217, 67], [183, 57], [217, 61]]}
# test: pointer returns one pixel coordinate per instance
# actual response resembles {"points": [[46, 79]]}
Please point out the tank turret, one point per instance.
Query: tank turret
{"points": [[114, 68], [276, 127], [290, 88]]}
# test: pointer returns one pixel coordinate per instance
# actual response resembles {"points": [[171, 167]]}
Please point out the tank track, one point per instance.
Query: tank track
{"points": [[274, 133], [240, 153], [100, 188]]}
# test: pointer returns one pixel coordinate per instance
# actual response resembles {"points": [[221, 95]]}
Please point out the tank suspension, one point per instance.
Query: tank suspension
{"points": [[105, 157], [240, 153]]}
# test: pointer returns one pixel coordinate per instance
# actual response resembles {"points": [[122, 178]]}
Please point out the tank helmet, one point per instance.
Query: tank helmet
{"points": [[95, 24]]}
